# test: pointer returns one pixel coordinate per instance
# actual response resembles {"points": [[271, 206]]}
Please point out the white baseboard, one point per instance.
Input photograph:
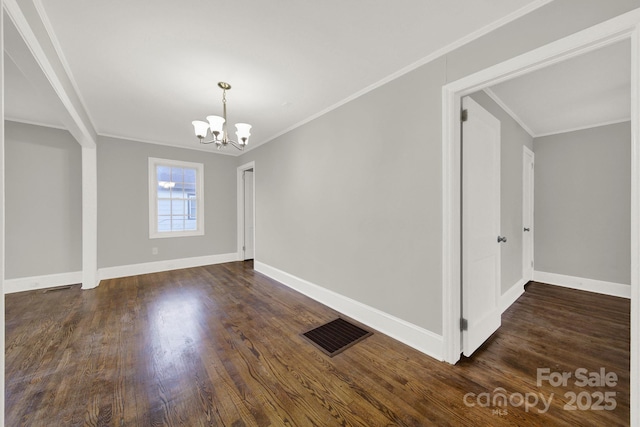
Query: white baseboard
{"points": [[167, 265], [63, 279], [414, 336], [41, 282], [583, 284], [512, 295]]}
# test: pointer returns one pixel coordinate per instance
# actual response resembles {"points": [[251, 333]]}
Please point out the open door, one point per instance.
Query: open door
{"points": [[480, 225]]}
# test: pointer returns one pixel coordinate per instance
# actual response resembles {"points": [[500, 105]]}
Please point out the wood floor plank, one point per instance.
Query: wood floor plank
{"points": [[220, 345]]}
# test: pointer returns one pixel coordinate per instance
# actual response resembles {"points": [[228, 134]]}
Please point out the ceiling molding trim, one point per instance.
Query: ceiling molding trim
{"points": [[429, 58], [84, 133], [100, 135], [198, 147], [509, 111], [34, 123], [558, 132], [63, 60]]}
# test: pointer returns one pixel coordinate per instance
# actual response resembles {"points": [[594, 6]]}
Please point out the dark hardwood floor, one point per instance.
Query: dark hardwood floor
{"points": [[221, 346]]}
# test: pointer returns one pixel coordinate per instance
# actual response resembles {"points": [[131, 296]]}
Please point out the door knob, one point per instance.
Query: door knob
{"points": [[502, 239], [527, 229]]}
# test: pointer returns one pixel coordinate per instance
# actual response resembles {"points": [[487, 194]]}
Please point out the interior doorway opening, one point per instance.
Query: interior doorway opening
{"points": [[246, 212], [617, 29]]}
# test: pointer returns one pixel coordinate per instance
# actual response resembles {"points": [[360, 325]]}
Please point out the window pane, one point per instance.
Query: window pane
{"points": [[163, 193], [190, 176], [163, 173], [192, 209], [177, 223], [190, 187], [178, 193], [164, 207], [164, 223], [177, 174], [190, 224], [178, 207]]}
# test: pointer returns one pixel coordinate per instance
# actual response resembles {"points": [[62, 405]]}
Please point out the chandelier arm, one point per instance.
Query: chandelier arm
{"points": [[236, 145], [202, 141]]}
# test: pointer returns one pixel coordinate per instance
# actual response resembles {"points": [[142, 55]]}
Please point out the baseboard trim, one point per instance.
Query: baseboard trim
{"points": [[42, 282], [414, 336], [167, 265], [509, 297], [63, 279], [583, 284]]}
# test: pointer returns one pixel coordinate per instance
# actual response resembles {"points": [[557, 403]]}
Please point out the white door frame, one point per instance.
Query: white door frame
{"points": [[526, 151], [240, 207], [626, 26]]}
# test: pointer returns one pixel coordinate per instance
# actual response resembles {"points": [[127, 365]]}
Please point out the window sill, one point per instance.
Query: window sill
{"points": [[170, 234]]}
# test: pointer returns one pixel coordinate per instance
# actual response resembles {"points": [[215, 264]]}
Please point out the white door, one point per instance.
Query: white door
{"points": [[527, 214], [248, 214], [480, 226]]}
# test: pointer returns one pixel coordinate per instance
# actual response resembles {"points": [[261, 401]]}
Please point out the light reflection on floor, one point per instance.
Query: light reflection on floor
{"points": [[175, 329]]}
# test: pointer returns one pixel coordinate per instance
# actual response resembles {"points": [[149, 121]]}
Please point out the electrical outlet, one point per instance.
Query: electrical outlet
{"points": [[154, 251]]}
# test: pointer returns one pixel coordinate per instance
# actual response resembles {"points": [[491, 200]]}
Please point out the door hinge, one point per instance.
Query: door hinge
{"points": [[464, 115], [244, 248], [464, 324]]}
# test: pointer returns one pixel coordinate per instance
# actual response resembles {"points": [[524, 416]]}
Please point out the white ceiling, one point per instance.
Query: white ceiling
{"points": [[582, 92], [145, 69]]}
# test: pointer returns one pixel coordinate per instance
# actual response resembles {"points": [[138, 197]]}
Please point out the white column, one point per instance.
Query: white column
{"points": [[89, 218], [2, 214], [635, 227]]}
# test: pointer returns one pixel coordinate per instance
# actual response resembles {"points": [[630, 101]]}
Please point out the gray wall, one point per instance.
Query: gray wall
{"points": [[123, 204], [352, 201], [512, 138], [347, 201], [583, 203], [43, 201]]}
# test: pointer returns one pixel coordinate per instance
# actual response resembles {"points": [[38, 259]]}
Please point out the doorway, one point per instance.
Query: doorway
{"points": [[583, 202], [246, 217], [528, 162], [623, 27]]}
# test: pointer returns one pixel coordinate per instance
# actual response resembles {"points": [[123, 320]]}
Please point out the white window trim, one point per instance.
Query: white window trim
{"points": [[153, 198]]}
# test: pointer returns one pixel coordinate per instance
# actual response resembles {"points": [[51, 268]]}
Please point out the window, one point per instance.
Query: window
{"points": [[176, 205]]}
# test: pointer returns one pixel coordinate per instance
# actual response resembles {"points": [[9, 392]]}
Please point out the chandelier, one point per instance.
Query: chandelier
{"points": [[218, 127]]}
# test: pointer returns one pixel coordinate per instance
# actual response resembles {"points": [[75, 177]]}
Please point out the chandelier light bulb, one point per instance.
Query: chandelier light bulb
{"points": [[216, 123], [243, 132], [200, 128]]}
